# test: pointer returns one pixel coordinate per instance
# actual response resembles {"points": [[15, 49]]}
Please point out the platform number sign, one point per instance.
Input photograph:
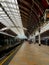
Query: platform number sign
{"points": [[46, 15]]}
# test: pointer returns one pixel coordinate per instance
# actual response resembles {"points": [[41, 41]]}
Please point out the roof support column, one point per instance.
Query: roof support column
{"points": [[39, 38], [34, 39]]}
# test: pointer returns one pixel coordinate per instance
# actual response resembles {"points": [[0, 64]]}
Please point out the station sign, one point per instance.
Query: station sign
{"points": [[46, 15]]}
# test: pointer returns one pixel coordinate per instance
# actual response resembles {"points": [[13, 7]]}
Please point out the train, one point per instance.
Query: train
{"points": [[44, 40], [7, 42]]}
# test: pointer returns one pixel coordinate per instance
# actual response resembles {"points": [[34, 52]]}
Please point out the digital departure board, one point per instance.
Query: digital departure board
{"points": [[47, 15]]}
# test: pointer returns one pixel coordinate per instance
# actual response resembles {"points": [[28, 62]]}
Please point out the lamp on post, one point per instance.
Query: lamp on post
{"points": [[39, 38], [39, 32], [34, 38]]}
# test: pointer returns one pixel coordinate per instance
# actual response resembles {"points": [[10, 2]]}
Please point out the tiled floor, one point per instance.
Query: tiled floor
{"points": [[31, 54]]}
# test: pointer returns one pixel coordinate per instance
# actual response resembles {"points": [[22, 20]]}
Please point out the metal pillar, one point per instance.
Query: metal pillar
{"points": [[34, 38], [39, 38]]}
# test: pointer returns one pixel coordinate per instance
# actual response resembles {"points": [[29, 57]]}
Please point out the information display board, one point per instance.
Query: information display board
{"points": [[47, 15]]}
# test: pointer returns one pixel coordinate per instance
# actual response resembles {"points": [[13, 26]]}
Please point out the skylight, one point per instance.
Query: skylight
{"points": [[13, 18]]}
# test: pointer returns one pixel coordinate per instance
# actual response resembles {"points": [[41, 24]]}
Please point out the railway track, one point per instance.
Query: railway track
{"points": [[7, 52]]}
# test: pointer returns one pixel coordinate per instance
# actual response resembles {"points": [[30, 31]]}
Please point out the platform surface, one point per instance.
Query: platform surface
{"points": [[31, 54]]}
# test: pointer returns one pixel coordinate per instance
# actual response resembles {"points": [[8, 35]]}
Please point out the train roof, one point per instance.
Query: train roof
{"points": [[6, 34]]}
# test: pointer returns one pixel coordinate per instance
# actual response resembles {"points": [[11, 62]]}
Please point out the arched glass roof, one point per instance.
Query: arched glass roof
{"points": [[10, 16]]}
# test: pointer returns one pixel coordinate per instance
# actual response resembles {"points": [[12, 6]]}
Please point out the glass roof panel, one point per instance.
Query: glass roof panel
{"points": [[13, 1], [15, 30], [4, 18], [0, 9], [7, 9], [12, 9], [4, 22], [4, 4], [3, 15], [1, 12]]}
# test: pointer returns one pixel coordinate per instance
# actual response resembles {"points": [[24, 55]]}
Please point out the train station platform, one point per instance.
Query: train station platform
{"points": [[22, 21], [31, 54]]}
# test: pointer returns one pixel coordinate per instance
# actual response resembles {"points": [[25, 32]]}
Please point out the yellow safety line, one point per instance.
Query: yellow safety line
{"points": [[7, 58]]}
